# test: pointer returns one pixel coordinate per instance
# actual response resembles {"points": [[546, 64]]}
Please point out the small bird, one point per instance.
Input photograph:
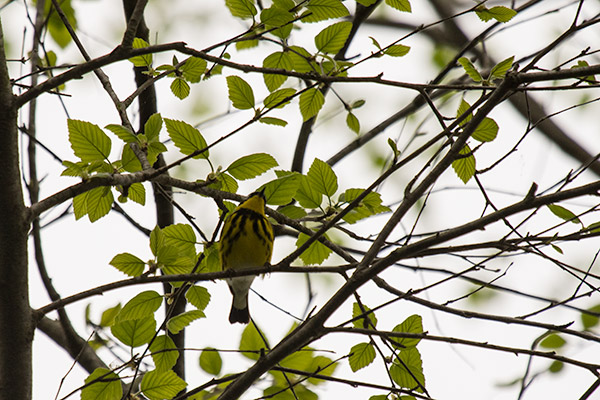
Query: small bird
{"points": [[246, 242]]}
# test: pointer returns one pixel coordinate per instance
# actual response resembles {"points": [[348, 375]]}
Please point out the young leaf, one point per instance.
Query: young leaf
{"points": [[142, 61], [307, 195], [198, 296], [311, 102], [102, 384], [241, 8], [251, 343], [99, 202], [181, 236], [563, 213], [412, 324], [462, 109], [366, 322], [88, 141], [128, 264], [179, 322], [273, 121], [400, 5], [279, 98], [322, 178], [470, 69], [135, 332], [499, 13], [193, 69], [411, 359], [157, 240], [187, 138], [137, 193], [302, 60], [122, 133], [486, 131], [353, 122], [180, 88], [464, 166], [316, 253], [240, 93], [108, 316], [361, 355], [161, 385], [141, 306], [331, 39], [499, 70], [210, 361], [589, 320], [397, 50], [164, 353], [280, 60], [251, 166], [321, 10], [281, 191], [553, 341]]}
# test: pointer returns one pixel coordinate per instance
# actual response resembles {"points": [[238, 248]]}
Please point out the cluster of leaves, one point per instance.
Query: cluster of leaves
{"points": [[405, 363]]}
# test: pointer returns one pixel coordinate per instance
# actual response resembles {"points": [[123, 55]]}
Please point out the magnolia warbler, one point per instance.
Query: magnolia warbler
{"points": [[246, 242]]}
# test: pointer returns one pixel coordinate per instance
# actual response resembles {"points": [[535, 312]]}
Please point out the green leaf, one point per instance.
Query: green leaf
{"points": [[164, 353], [179, 322], [251, 166], [210, 361], [279, 98], [279, 60], [135, 332], [251, 343], [556, 366], [56, 27], [321, 10], [280, 18], [273, 121], [311, 102], [322, 178], [186, 138], [486, 131], [353, 122], [129, 161], [109, 315], [181, 236], [412, 360], [137, 193], [161, 385], [152, 127], [464, 166], [397, 50], [198, 296], [366, 3], [499, 70], [316, 253], [128, 264], [241, 8], [99, 202], [102, 384], [80, 205], [226, 183], [293, 212], [307, 195], [88, 141], [470, 69], [400, 5], [553, 341], [157, 240], [281, 191], [180, 88], [499, 13], [367, 322], [142, 61], [193, 69], [361, 355], [370, 205], [462, 109], [412, 324], [142, 305], [588, 320], [302, 60], [331, 39], [590, 79], [240, 93], [563, 213], [324, 366], [122, 133]]}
